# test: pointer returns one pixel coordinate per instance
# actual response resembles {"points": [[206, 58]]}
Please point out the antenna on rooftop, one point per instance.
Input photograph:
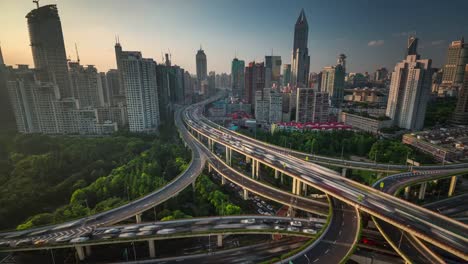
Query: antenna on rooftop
{"points": [[36, 2]]}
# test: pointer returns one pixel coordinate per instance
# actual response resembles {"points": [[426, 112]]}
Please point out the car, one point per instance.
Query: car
{"points": [[65, 238], [296, 223], [40, 242], [112, 231], [79, 239], [149, 228], [309, 231], [23, 242], [132, 228], [279, 227], [145, 233], [260, 211], [292, 229], [248, 221], [319, 225], [106, 237], [270, 207], [127, 235], [166, 231], [4, 244], [259, 205]]}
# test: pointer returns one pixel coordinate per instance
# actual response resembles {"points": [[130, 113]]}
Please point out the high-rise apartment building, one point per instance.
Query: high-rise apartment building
{"points": [[85, 85], [254, 81], [332, 82], [412, 47], [268, 106], [311, 106], [48, 48], [409, 90], [238, 78], [300, 62], [460, 115], [457, 58], [139, 81], [272, 70]]}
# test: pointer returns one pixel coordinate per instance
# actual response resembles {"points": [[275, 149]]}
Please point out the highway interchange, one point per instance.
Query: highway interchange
{"points": [[349, 196]]}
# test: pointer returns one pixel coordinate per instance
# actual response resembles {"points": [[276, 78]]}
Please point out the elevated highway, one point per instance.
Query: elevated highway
{"points": [[429, 226]]}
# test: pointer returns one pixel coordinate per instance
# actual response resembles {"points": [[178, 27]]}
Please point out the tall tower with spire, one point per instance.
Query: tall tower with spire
{"points": [[300, 54]]}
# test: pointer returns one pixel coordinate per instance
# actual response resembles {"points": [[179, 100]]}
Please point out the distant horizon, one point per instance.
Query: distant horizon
{"points": [[372, 35]]}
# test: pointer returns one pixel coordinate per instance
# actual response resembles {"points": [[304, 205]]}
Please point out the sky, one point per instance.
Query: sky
{"points": [[372, 33]]}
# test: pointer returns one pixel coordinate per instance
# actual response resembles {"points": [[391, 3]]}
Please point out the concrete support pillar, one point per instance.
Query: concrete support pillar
{"points": [[253, 168], [246, 194], [422, 191], [223, 180], [304, 189], [80, 252], [298, 187], [152, 248], [343, 171], [282, 179], [292, 212], [209, 167], [276, 174], [220, 241], [88, 251], [228, 156], [293, 186], [453, 184], [257, 168], [247, 159], [193, 185], [138, 218], [407, 192]]}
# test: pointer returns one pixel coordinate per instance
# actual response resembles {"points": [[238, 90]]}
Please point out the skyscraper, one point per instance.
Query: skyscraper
{"points": [[254, 81], [457, 58], [300, 57], [272, 70], [139, 81], [48, 48], [461, 110], [332, 82], [409, 90], [201, 65], [238, 77]]}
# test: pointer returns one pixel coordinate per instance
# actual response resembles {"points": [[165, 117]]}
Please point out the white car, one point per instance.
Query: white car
{"points": [[63, 238], [292, 229], [309, 231], [112, 231], [296, 223], [149, 228], [248, 221], [125, 235], [166, 231], [79, 239]]}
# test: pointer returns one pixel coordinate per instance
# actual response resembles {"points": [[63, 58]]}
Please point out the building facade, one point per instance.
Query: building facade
{"points": [[254, 81], [139, 80], [409, 91], [332, 82], [48, 48], [238, 78], [311, 106], [460, 116], [457, 58], [272, 71]]}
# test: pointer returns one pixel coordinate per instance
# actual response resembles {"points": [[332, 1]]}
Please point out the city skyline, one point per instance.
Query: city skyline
{"points": [[377, 43]]}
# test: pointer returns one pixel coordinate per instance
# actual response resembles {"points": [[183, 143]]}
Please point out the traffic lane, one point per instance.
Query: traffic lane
{"points": [[271, 193], [339, 239]]}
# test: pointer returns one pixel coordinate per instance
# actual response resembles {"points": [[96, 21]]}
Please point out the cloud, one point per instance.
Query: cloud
{"points": [[375, 43], [437, 42]]}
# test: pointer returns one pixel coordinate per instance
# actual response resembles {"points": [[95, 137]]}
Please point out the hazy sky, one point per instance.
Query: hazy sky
{"points": [[371, 33]]}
